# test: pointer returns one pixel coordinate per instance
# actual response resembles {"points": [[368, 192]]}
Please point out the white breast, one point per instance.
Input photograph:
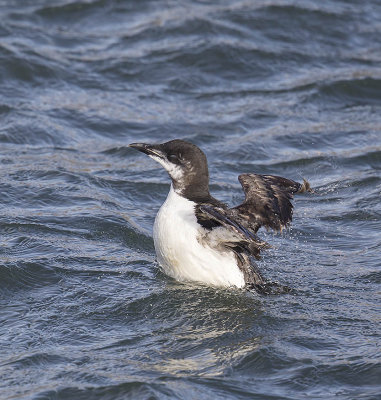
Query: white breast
{"points": [[180, 253]]}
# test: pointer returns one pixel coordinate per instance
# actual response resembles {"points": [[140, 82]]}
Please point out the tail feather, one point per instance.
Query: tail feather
{"points": [[305, 187]]}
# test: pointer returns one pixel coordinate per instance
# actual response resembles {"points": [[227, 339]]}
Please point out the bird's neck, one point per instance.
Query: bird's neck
{"points": [[196, 189]]}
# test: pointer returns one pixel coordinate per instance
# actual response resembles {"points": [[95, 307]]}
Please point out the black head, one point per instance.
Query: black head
{"points": [[185, 163]]}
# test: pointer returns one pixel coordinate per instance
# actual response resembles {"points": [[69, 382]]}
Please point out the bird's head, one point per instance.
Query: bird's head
{"points": [[185, 163]]}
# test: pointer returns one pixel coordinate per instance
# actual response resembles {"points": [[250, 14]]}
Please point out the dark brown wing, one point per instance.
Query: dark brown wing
{"points": [[267, 201], [210, 216]]}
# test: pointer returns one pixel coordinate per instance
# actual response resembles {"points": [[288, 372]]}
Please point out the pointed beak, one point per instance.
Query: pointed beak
{"points": [[149, 149]]}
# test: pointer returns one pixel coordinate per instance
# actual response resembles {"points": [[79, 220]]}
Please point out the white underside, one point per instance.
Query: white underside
{"points": [[178, 238]]}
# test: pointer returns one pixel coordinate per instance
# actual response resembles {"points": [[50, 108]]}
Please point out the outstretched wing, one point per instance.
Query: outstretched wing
{"points": [[267, 201], [235, 235]]}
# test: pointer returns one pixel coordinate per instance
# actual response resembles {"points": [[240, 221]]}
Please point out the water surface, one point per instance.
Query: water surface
{"points": [[290, 88]]}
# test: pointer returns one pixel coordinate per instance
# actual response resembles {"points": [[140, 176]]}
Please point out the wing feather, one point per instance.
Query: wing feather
{"points": [[268, 200], [267, 203]]}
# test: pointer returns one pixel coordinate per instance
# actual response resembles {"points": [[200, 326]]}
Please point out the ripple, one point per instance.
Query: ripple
{"points": [[352, 92], [38, 360], [65, 10], [26, 275]]}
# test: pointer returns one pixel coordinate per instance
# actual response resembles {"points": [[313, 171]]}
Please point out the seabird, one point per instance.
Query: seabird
{"points": [[198, 238]]}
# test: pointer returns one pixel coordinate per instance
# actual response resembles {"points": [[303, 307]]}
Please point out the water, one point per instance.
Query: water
{"points": [[291, 88]]}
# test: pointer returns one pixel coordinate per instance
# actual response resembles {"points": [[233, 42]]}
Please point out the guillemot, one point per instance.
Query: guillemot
{"points": [[199, 238]]}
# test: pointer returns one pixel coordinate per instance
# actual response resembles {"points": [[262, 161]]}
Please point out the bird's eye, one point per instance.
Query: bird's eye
{"points": [[173, 158]]}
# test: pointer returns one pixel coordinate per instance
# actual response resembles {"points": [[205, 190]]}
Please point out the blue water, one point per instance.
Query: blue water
{"points": [[290, 88]]}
